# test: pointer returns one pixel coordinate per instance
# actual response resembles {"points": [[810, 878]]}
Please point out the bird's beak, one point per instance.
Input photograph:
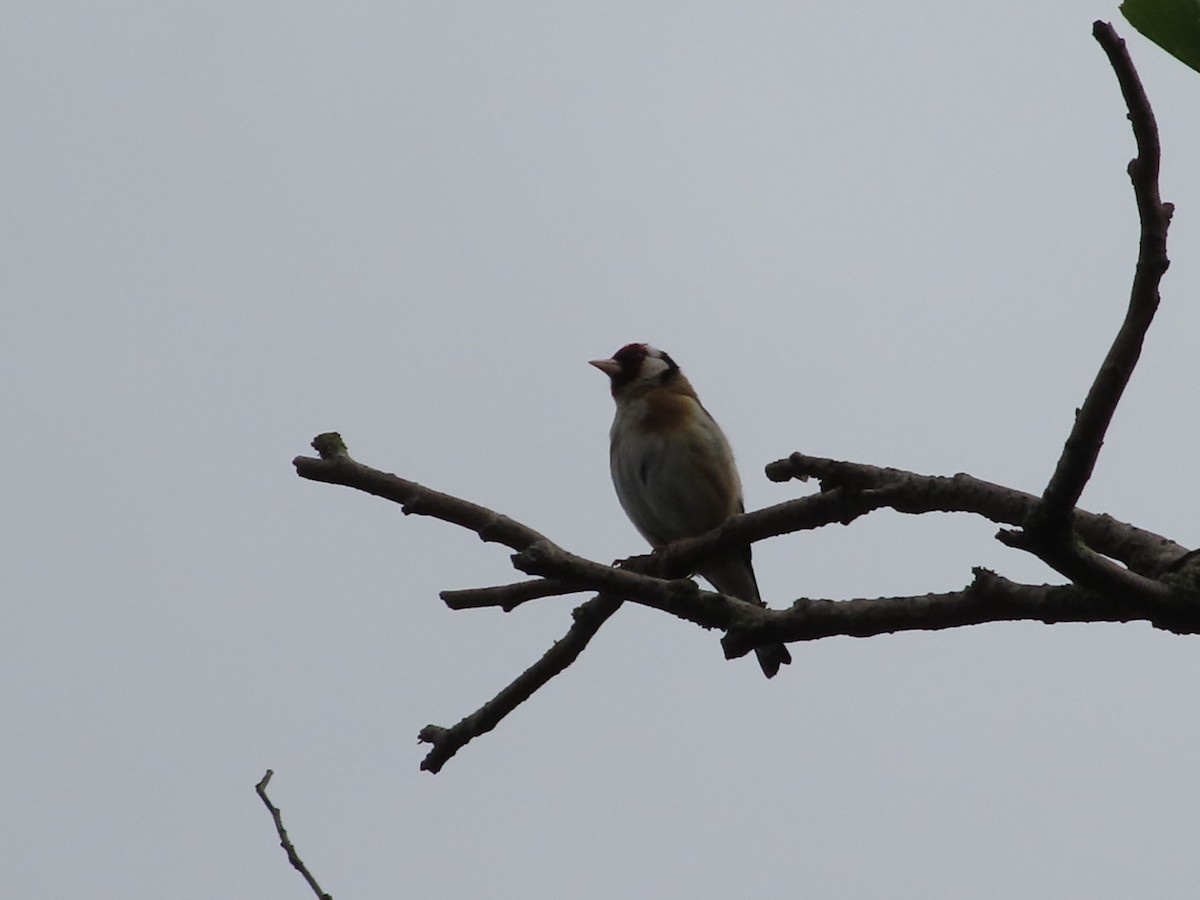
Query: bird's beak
{"points": [[609, 367]]}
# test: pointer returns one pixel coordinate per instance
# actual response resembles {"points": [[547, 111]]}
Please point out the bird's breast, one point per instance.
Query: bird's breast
{"points": [[672, 468]]}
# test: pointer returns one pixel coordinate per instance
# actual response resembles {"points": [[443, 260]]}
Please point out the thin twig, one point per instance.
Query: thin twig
{"points": [[508, 596], [448, 741], [285, 842], [337, 467]]}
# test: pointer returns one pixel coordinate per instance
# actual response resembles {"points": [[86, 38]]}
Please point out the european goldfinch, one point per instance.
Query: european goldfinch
{"points": [[674, 471]]}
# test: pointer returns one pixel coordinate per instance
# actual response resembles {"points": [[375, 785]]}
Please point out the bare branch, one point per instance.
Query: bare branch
{"points": [[658, 580], [448, 741], [1159, 583], [1089, 569], [508, 596], [680, 597], [989, 598], [1048, 531], [285, 842], [336, 467], [1145, 552], [912, 493], [1079, 455]]}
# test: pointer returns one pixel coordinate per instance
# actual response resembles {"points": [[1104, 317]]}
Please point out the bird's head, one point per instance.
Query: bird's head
{"points": [[636, 368]]}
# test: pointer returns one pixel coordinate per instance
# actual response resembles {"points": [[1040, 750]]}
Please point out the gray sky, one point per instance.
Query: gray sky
{"points": [[899, 234]]}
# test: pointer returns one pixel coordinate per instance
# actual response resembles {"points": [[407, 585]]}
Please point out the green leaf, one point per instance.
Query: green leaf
{"points": [[1172, 24]]}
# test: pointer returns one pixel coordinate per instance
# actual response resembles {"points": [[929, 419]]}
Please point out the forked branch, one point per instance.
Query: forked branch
{"points": [[1118, 572]]}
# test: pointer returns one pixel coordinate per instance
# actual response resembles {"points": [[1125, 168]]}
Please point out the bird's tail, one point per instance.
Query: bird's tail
{"points": [[771, 657], [734, 575]]}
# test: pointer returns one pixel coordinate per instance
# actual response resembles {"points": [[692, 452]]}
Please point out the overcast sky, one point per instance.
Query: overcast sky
{"points": [[894, 233]]}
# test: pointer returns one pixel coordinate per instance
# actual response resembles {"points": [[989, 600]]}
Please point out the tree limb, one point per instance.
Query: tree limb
{"points": [[1049, 527], [849, 490], [989, 598], [1143, 551]]}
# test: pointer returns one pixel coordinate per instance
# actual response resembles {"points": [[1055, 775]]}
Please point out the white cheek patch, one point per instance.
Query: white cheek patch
{"points": [[652, 369]]}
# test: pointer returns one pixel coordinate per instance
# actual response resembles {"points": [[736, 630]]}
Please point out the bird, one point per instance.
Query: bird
{"points": [[674, 472]]}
